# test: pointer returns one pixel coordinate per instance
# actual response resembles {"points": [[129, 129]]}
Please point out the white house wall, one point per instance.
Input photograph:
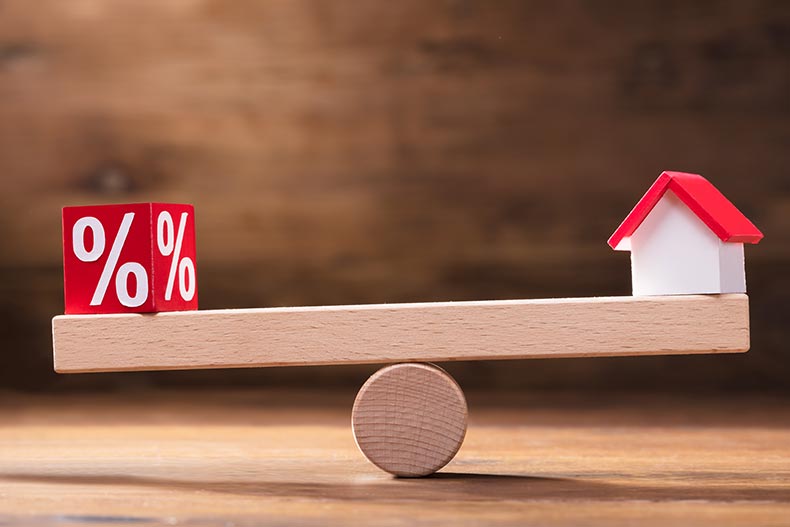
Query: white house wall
{"points": [[674, 252], [733, 274]]}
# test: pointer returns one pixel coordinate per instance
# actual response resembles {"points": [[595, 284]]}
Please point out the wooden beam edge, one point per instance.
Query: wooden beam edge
{"points": [[325, 335]]}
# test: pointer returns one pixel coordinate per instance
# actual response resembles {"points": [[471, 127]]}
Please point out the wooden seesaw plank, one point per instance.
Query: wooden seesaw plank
{"points": [[381, 333]]}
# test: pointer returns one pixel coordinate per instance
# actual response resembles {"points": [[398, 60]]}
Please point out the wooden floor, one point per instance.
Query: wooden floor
{"points": [[285, 458]]}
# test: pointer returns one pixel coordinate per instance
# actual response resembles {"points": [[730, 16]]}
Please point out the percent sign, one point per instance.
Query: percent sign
{"points": [[167, 243], [183, 267]]}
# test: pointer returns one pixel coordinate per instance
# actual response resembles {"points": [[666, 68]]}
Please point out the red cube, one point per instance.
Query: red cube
{"points": [[133, 258]]}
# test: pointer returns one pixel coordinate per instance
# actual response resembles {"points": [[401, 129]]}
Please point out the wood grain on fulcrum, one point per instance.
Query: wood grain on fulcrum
{"points": [[410, 419]]}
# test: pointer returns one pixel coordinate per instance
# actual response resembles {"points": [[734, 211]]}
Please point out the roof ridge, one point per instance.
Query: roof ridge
{"points": [[704, 200]]}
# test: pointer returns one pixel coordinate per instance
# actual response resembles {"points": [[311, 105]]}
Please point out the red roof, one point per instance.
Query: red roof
{"points": [[710, 205]]}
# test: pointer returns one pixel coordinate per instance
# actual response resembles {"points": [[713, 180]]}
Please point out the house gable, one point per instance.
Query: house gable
{"points": [[702, 198], [674, 252]]}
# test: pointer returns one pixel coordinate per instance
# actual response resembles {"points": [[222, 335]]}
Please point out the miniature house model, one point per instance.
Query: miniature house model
{"points": [[685, 237]]}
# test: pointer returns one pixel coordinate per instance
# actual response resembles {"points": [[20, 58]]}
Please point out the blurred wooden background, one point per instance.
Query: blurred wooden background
{"points": [[345, 151]]}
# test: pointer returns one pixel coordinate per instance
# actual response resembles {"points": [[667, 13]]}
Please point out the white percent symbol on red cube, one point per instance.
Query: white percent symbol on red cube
{"points": [[129, 258]]}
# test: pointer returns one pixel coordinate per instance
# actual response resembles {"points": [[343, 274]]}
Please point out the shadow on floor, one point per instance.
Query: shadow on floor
{"points": [[445, 486]]}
